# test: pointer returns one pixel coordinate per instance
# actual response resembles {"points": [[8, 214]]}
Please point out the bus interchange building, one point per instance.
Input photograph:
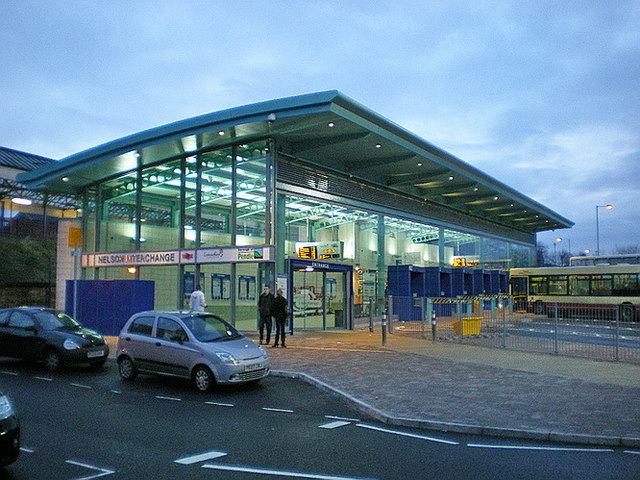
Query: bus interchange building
{"points": [[315, 193]]}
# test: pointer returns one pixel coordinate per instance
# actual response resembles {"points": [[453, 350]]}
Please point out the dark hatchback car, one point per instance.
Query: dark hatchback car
{"points": [[9, 432], [44, 334]]}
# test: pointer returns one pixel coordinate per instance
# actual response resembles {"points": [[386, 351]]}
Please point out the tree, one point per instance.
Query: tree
{"points": [[626, 249]]}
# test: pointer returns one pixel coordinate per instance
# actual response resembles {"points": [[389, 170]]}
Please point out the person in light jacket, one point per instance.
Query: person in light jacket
{"points": [[196, 301]]}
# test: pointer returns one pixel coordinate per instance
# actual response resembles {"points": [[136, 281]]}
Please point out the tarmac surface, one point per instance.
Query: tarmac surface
{"points": [[452, 387]]}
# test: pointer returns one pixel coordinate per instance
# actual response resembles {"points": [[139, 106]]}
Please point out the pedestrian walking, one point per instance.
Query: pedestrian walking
{"points": [[264, 310], [280, 312], [196, 300]]}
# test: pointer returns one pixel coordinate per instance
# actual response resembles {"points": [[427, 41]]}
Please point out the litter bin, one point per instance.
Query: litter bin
{"points": [[470, 326]]}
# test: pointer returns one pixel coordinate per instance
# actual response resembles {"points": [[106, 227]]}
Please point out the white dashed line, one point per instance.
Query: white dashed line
{"points": [[79, 385], [406, 434], [27, 450], [282, 473], [103, 471], [15, 374], [336, 424], [46, 379], [173, 399], [552, 449], [201, 457], [218, 404], [116, 391], [632, 452], [279, 410]]}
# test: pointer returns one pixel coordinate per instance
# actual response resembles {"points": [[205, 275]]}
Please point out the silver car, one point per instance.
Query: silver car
{"points": [[197, 345]]}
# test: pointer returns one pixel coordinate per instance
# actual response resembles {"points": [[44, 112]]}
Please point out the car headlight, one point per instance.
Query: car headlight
{"points": [[227, 358], [262, 351], [70, 344], [6, 410]]}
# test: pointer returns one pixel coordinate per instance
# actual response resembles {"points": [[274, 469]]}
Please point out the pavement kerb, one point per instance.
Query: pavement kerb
{"points": [[434, 425]]}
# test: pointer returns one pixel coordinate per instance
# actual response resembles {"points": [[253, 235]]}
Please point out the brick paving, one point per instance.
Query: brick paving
{"points": [[402, 384]]}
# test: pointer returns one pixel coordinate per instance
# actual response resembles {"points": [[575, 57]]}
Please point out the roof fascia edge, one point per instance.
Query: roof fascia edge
{"points": [[288, 107], [364, 117]]}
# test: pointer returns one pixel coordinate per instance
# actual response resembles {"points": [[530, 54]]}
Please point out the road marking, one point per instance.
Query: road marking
{"points": [[342, 418], [632, 452], [336, 424], [103, 471], [79, 385], [116, 391], [46, 379], [173, 399], [552, 449], [201, 457], [406, 434], [27, 450], [279, 410], [15, 374], [282, 473], [218, 404]]}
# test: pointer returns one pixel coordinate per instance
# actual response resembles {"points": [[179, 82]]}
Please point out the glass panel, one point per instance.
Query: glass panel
{"points": [[216, 198], [626, 285], [251, 196], [538, 286]]}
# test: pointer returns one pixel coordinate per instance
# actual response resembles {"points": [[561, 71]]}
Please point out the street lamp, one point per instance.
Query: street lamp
{"points": [[606, 207], [558, 240]]}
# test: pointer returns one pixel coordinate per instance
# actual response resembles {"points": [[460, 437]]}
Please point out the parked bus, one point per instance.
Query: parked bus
{"points": [[627, 258], [598, 291]]}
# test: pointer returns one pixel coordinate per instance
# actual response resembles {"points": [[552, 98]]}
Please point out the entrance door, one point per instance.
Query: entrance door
{"points": [[320, 299]]}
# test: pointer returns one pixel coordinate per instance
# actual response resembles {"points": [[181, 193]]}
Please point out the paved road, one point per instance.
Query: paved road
{"points": [[81, 425]]}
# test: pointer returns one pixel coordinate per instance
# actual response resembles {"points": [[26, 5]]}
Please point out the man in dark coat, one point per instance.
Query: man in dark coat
{"points": [[280, 312], [264, 309]]}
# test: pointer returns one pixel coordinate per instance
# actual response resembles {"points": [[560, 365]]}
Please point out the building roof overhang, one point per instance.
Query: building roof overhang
{"points": [[325, 128]]}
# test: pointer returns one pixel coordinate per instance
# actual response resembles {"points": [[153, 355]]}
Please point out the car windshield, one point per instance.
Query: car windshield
{"points": [[56, 321], [210, 328]]}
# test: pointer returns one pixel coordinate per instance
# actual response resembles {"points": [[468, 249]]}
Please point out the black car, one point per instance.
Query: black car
{"points": [[9, 432], [44, 334]]}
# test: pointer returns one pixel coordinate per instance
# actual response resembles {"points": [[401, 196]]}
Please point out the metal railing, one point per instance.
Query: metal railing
{"points": [[497, 322]]}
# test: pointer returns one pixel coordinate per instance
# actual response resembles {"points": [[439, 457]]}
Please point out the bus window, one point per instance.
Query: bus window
{"points": [[626, 285], [601, 284], [558, 285], [518, 285], [579, 285], [538, 286]]}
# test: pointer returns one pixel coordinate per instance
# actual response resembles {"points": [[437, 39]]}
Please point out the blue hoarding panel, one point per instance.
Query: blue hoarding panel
{"points": [[105, 305]]}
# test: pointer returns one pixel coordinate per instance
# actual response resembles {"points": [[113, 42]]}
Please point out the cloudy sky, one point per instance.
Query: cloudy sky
{"points": [[544, 96]]}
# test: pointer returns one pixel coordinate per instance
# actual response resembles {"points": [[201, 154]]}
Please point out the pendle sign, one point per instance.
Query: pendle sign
{"points": [[175, 257]]}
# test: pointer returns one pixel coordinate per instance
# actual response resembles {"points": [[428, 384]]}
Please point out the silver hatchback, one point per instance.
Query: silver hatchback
{"points": [[197, 345]]}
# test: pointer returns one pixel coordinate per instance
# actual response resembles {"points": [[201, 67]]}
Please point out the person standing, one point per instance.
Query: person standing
{"points": [[196, 301], [280, 312], [264, 309]]}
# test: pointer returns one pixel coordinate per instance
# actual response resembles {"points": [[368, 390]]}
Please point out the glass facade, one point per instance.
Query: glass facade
{"points": [[227, 197]]}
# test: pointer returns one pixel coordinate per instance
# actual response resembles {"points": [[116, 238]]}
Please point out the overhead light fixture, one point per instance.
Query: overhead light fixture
{"points": [[378, 145], [65, 179], [132, 270], [331, 124], [451, 177], [308, 269], [22, 201], [221, 133], [419, 164]]}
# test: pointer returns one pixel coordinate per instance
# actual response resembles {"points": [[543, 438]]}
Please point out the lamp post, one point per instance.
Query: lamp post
{"points": [[606, 207], [558, 240]]}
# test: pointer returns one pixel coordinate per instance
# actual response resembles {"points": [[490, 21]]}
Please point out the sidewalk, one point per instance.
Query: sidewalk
{"points": [[452, 387]]}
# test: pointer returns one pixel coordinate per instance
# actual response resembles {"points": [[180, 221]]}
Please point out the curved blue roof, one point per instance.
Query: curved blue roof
{"points": [[326, 128]]}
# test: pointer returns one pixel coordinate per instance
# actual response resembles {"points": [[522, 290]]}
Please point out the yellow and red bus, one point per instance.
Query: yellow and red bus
{"points": [[611, 291]]}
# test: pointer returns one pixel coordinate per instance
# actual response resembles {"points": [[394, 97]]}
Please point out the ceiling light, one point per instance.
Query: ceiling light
{"points": [[496, 197], [451, 177], [331, 124], [419, 164], [22, 201], [221, 133], [65, 179], [378, 145]]}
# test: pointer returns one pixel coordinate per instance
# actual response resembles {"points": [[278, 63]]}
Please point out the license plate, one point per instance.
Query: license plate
{"points": [[98, 353], [253, 366]]}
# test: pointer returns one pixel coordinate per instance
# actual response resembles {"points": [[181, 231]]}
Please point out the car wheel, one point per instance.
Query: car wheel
{"points": [[203, 379], [52, 360], [626, 312], [126, 368]]}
